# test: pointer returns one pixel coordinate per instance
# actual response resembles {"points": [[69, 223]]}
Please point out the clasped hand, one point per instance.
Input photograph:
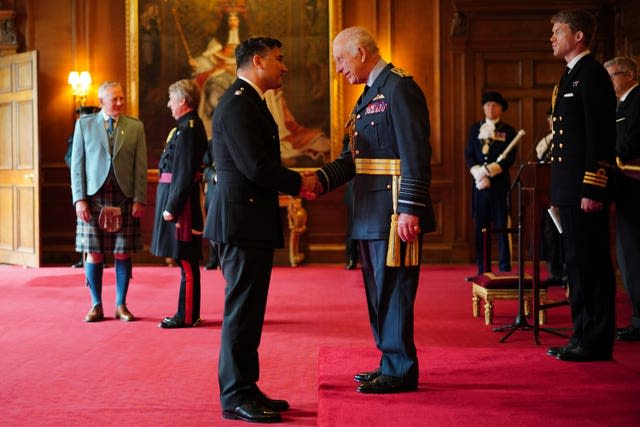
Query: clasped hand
{"points": [[311, 187]]}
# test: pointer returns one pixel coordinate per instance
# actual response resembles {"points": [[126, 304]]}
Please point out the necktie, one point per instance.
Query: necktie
{"points": [[110, 126]]}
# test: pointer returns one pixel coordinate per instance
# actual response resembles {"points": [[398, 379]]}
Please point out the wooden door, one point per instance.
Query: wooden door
{"points": [[19, 160]]}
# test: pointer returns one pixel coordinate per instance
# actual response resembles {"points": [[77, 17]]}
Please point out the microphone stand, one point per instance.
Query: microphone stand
{"points": [[520, 322]]}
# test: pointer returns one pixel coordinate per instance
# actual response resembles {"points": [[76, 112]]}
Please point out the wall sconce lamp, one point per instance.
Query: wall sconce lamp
{"points": [[80, 85]]}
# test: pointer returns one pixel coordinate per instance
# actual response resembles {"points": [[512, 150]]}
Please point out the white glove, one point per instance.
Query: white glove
{"points": [[493, 169], [483, 183], [543, 146], [478, 172]]}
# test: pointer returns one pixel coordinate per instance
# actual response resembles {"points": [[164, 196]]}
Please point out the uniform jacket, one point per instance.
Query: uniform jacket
{"points": [[584, 134], [473, 155], [391, 121], [244, 209], [182, 158], [91, 158]]}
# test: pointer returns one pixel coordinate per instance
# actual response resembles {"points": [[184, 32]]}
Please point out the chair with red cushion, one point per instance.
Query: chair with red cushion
{"points": [[502, 285]]}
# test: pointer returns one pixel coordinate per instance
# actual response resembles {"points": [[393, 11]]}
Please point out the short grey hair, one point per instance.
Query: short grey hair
{"points": [[102, 90], [356, 37], [188, 90], [625, 63]]}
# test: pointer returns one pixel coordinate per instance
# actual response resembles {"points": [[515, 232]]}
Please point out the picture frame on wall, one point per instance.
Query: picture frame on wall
{"points": [[169, 40]]}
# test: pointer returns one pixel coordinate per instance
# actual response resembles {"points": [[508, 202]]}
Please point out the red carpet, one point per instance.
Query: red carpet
{"points": [[59, 371]]}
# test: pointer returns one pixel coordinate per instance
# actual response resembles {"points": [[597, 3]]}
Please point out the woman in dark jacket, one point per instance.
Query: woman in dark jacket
{"points": [[178, 223]]}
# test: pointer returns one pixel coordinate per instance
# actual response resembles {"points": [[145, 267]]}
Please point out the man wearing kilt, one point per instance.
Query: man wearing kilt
{"points": [[178, 223], [109, 169]]}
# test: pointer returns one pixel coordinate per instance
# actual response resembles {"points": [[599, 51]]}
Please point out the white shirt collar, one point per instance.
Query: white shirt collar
{"points": [[253, 85], [578, 57], [623, 97], [106, 117]]}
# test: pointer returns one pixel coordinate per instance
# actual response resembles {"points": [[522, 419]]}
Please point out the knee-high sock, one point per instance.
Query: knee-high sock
{"points": [[93, 273], [123, 275]]}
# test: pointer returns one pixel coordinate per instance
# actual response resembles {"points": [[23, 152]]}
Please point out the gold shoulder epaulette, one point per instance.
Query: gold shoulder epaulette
{"points": [[400, 72], [171, 132]]}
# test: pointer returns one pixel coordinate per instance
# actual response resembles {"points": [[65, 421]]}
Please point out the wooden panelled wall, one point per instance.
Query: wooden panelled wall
{"points": [[456, 49]]}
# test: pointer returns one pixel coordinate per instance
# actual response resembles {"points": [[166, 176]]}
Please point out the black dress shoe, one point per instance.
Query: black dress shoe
{"points": [[365, 377], [579, 354], [387, 384], [555, 351], [176, 322], [628, 334], [351, 264], [253, 412], [277, 405], [211, 266], [471, 278]]}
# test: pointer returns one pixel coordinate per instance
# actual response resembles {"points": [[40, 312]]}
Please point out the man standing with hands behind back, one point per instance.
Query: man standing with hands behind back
{"points": [[623, 72], [388, 157], [244, 223], [108, 169], [582, 152]]}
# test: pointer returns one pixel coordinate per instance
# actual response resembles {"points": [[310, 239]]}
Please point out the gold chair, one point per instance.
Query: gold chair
{"points": [[502, 285]]}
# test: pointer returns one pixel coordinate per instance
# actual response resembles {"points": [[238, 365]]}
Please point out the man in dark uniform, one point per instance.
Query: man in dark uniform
{"points": [[623, 73], [244, 222], [389, 160], [487, 140], [178, 222], [582, 151]]}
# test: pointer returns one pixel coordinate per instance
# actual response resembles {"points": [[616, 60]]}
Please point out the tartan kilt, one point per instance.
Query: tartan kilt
{"points": [[91, 238]]}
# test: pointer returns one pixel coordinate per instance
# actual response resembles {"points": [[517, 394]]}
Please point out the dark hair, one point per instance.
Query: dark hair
{"points": [[222, 33], [577, 20], [254, 46]]}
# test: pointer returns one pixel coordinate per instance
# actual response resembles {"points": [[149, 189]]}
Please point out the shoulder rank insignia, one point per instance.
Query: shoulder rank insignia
{"points": [[239, 91], [171, 132], [191, 122], [400, 72]]}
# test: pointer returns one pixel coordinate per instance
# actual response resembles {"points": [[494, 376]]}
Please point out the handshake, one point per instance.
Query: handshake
{"points": [[311, 187], [482, 174]]}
